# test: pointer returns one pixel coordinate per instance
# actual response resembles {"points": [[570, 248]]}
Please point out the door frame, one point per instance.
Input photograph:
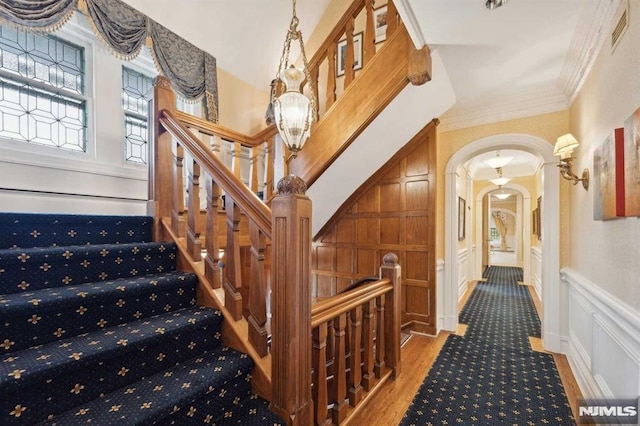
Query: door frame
{"points": [[552, 295]]}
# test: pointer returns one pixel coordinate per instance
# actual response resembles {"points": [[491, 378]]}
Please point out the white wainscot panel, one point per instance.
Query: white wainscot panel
{"points": [[463, 267], [536, 270], [604, 340]]}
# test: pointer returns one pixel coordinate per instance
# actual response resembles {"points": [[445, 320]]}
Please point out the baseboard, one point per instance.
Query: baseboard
{"points": [[603, 340]]}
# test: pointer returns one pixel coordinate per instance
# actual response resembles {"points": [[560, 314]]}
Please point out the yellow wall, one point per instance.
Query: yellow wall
{"points": [[242, 106], [546, 126]]}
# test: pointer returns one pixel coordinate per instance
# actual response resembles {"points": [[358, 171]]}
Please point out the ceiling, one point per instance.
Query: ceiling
{"points": [[524, 58], [521, 164], [245, 36]]}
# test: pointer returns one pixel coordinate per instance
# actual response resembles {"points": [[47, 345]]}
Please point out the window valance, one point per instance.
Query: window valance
{"points": [[124, 31]]}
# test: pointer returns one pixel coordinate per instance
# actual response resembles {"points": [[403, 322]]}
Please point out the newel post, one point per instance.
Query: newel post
{"points": [[393, 299], [160, 155], [291, 303]]}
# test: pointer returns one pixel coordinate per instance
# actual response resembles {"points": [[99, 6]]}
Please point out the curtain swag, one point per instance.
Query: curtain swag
{"points": [[124, 30]]}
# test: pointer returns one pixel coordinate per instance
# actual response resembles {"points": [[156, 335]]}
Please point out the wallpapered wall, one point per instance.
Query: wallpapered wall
{"points": [[606, 253]]}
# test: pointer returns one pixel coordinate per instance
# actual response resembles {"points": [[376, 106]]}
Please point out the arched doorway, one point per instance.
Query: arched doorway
{"points": [[551, 291], [526, 228]]}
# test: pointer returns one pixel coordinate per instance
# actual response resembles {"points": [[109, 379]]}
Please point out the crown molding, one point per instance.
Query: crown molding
{"points": [[591, 32], [494, 110]]}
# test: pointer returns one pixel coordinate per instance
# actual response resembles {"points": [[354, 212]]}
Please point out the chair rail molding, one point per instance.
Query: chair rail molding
{"points": [[603, 339]]}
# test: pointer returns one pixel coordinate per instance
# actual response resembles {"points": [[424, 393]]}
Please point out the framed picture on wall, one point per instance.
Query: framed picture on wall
{"points": [[342, 54], [380, 23], [462, 208], [539, 219]]}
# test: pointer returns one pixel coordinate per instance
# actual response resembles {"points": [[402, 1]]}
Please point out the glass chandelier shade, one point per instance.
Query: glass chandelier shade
{"points": [[498, 161], [293, 111], [500, 181], [502, 196]]}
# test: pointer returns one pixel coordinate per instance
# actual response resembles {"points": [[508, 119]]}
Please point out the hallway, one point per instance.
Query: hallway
{"points": [[487, 371]]}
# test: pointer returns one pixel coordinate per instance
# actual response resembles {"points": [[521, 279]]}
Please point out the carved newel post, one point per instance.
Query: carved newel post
{"points": [[160, 155], [392, 319], [291, 302]]}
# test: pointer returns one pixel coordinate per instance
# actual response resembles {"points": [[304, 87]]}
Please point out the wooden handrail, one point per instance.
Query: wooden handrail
{"points": [[361, 293], [246, 200], [225, 133], [342, 305]]}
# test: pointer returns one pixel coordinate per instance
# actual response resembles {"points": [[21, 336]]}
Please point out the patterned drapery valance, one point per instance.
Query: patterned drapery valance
{"points": [[124, 30]]}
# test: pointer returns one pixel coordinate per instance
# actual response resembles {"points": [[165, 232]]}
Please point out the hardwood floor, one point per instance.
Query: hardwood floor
{"points": [[418, 355]]}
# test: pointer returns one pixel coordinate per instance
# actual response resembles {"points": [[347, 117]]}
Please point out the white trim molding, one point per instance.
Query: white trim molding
{"points": [[604, 340], [439, 300], [463, 268], [536, 270], [591, 32]]}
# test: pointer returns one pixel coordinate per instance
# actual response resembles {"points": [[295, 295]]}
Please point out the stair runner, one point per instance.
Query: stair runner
{"points": [[97, 326]]}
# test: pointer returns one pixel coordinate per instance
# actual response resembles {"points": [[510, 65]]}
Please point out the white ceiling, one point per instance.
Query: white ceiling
{"points": [[521, 59], [521, 164], [245, 36]]}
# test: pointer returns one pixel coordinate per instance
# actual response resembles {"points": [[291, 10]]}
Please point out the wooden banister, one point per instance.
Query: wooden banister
{"points": [[245, 199], [378, 84], [209, 128], [355, 343]]}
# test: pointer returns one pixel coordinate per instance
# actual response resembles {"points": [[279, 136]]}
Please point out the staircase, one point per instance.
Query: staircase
{"points": [[99, 327]]}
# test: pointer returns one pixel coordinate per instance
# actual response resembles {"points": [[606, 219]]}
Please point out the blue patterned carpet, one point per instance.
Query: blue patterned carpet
{"points": [[97, 326], [491, 376]]}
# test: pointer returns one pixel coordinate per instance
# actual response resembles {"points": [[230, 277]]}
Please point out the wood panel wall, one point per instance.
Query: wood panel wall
{"points": [[393, 211]]}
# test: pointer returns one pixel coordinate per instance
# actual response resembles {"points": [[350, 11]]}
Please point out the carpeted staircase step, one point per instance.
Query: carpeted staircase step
{"points": [[155, 398], [24, 230], [38, 268], [42, 316], [58, 376]]}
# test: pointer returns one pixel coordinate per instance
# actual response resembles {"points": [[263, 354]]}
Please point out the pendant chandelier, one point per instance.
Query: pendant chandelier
{"points": [[293, 111]]}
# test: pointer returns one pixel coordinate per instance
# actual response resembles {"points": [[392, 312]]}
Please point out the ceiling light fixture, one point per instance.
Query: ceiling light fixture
{"points": [[498, 163], [493, 4], [294, 112], [502, 196]]}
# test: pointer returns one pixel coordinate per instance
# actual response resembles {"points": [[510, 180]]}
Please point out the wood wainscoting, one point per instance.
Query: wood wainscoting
{"points": [[393, 211]]}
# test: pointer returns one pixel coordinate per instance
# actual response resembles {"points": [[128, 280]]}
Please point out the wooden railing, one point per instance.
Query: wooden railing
{"points": [[345, 112], [356, 343], [263, 143], [327, 53]]}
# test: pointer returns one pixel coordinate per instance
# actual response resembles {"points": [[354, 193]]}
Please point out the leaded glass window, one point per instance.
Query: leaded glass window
{"points": [[135, 91], [42, 90]]}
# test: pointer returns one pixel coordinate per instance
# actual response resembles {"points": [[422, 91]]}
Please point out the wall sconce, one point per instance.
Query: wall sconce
{"points": [[563, 148]]}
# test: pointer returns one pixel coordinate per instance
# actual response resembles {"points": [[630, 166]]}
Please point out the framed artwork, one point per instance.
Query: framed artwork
{"points": [[632, 164], [462, 208], [539, 219], [534, 221], [342, 54], [608, 171], [380, 23]]}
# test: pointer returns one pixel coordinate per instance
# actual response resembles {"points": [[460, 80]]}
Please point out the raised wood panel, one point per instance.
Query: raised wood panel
{"points": [[417, 230], [417, 195], [416, 167], [368, 231], [390, 197], [345, 257], [393, 211], [370, 201], [346, 231], [390, 232], [325, 256]]}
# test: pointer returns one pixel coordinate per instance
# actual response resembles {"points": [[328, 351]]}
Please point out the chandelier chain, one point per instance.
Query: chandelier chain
{"points": [[295, 34]]}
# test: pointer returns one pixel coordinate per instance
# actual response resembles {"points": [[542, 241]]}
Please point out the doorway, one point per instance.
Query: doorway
{"points": [[551, 292]]}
